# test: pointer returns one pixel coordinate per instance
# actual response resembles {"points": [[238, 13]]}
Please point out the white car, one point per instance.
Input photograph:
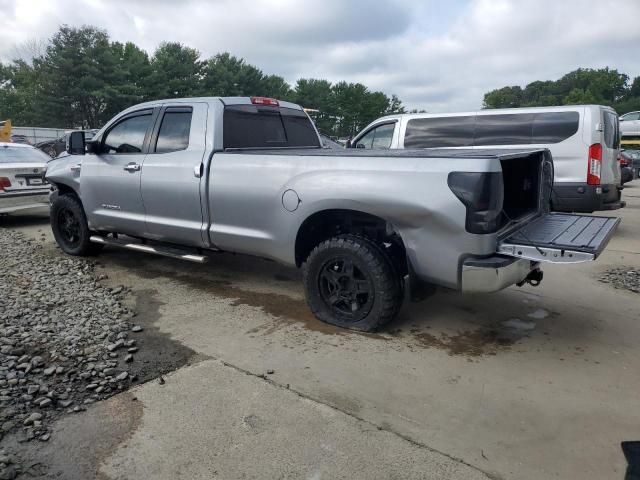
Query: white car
{"points": [[22, 183], [630, 124]]}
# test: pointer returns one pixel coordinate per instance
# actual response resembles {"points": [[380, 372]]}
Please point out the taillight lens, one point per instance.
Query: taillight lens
{"points": [[4, 183], [482, 193], [595, 164]]}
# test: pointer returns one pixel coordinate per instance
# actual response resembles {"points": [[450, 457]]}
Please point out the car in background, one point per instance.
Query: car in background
{"points": [[22, 182], [21, 139], [55, 147], [584, 141], [631, 159], [328, 142], [630, 124]]}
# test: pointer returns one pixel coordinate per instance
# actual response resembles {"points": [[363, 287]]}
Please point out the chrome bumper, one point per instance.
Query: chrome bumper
{"points": [[484, 275]]}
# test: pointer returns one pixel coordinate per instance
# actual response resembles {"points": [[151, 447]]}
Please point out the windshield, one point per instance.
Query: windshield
{"points": [[9, 154]]}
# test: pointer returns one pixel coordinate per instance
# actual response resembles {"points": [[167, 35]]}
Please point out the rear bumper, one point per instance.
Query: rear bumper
{"points": [[10, 203], [485, 275], [583, 198]]}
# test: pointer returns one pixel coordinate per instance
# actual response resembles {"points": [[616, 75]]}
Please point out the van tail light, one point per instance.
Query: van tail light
{"points": [[271, 102], [595, 164], [4, 183]]}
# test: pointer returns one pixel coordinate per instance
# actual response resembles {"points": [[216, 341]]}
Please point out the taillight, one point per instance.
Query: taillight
{"points": [[482, 195], [272, 102], [4, 183], [595, 164]]}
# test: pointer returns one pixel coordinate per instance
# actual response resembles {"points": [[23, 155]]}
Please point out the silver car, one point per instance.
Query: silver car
{"points": [[22, 183], [630, 124]]}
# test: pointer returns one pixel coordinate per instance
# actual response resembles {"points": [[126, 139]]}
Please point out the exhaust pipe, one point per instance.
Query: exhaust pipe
{"points": [[534, 278]]}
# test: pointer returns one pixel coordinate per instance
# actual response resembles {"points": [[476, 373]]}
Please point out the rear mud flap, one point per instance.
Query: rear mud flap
{"points": [[560, 238]]}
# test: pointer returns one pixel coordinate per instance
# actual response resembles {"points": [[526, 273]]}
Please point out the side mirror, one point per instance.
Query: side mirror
{"points": [[360, 145], [348, 144], [76, 144], [622, 119]]}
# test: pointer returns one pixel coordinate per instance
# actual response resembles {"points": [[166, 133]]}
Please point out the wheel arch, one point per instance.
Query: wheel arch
{"points": [[327, 223]]}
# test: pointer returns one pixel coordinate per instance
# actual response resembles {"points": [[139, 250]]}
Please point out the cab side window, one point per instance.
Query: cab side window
{"points": [[128, 135], [174, 130], [379, 137]]}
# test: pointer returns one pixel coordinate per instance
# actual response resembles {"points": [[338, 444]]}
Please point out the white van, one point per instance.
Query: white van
{"points": [[583, 139]]}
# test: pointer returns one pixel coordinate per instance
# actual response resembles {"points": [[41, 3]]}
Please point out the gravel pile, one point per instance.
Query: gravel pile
{"points": [[626, 278], [65, 340]]}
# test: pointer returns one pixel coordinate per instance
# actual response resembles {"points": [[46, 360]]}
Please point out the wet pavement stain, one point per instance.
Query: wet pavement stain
{"points": [[471, 343], [287, 311]]}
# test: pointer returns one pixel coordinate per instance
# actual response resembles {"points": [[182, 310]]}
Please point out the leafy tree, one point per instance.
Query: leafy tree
{"points": [[136, 71], [81, 78], [582, 86], [176, 71], [504, 97], [77, 78], [226, 75], [395, 106], [579, 96]]}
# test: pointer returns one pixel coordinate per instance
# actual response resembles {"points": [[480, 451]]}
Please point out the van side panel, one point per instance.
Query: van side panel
{"points": [[570, 155]]}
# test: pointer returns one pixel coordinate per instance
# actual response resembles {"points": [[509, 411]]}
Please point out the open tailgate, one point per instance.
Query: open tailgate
{"points": [[560, 238]]}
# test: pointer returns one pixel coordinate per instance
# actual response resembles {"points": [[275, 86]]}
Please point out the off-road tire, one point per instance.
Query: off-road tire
{"points": [[373, 264], [67, 209]]}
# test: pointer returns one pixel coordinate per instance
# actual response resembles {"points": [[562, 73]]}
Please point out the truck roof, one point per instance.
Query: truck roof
{"points": [[224, 100]]}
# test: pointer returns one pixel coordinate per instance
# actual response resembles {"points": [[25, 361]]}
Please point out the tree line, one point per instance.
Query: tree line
{"points": [[583, 86], [80, 78]]}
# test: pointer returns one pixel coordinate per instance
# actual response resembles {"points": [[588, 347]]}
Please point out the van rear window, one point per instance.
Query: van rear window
{"points": [[252, 126], [611, 130]]}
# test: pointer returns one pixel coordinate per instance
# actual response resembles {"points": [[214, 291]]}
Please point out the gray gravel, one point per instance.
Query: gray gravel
{"points": [[64, 339], [624, 277]]}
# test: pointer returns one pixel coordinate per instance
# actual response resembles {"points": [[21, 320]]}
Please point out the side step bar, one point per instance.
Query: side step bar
{"points": [[161, 250]]}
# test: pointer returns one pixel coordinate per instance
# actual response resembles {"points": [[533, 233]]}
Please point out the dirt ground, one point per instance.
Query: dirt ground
{"points": [[527, 383]]}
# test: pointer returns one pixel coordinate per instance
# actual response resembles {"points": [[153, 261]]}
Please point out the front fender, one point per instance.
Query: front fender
{"points": [[65, 170]]}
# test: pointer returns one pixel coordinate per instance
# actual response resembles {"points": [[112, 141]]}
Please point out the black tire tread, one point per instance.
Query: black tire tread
{"points": [[381, 268], [72, 202]]}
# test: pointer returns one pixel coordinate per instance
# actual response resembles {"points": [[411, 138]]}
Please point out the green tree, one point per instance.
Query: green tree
{"points": [[603, 86], [505, 97], [579, 96], [80, 78], [176, 71], [226, 75], [77, 79], [395, 106], [317, 95], [136, 72]]}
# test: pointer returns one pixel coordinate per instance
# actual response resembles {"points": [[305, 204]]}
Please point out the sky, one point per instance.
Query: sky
{"points": [[440, 56]]}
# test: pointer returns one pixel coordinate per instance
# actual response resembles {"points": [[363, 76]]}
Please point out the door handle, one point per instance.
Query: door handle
{"points": [[132, 167], [197, 171]]}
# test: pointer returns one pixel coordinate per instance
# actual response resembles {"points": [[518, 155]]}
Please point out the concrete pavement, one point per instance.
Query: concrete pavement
{"points": [[526, 383]]}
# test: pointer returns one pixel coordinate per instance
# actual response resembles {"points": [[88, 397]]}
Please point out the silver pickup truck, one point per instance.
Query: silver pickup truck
{"points": [[187, 177]]}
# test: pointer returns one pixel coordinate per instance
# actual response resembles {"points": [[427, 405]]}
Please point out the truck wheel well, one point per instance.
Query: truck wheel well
{"points": [[329, 223], [65, 190]]}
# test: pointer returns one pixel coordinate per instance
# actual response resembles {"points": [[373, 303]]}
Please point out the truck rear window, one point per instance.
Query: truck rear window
{"points": [[252, 126]]}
